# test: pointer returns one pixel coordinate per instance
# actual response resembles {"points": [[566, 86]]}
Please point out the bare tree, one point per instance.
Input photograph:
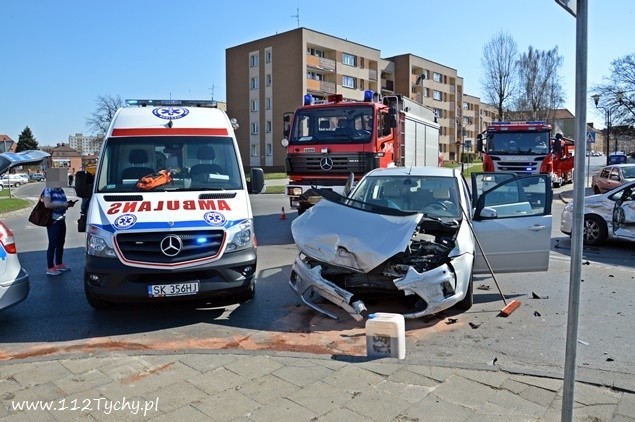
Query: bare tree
{"points": [[618, 92], [499, 62], [100, 119], [540, 92]]}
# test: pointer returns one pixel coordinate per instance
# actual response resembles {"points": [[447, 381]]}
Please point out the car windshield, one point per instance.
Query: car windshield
{"points": [[353, 124], [628, 172], [432, 195], [134, 164], [516, 143]]}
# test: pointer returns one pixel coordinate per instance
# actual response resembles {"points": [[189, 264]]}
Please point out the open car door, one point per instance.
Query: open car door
{"points": [[512, 221]]}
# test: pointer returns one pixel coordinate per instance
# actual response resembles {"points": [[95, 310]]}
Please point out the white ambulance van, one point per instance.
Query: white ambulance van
{"points": [[169, 217]]}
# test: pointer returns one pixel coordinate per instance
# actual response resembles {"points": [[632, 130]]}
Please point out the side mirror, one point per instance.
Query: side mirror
{"points": [[84, 184], [479, 143], [286, 124], [257, 180]]}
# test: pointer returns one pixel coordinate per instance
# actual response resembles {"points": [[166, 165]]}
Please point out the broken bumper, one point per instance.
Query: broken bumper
{"points": [[440, 288]]}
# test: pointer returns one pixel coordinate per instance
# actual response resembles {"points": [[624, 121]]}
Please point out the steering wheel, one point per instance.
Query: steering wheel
{"points": [[436, 206]]}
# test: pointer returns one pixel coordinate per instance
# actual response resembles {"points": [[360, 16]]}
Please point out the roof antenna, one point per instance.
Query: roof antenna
{"points": [[297, 15]]}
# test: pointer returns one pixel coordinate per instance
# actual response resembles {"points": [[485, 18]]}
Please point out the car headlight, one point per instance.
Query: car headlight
{"points": [[241, 236], [97, 245]]}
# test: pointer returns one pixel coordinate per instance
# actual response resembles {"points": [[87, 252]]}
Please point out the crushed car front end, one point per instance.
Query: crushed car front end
{"points": [[351, 251]]}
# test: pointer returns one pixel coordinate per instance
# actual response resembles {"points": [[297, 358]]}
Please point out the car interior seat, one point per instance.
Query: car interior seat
{"points": [[200, 172], [136, 157]]}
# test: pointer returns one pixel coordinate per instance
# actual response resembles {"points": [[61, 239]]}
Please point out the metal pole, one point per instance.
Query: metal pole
{"points": [[578, 211], [607, 116]]}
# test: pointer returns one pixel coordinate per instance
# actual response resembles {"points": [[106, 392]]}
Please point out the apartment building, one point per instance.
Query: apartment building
{"points": [[270, 76], [85, 144]]}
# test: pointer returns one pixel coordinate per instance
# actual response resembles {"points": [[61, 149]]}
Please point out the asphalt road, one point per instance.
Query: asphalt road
{"points": [[57, 319]]}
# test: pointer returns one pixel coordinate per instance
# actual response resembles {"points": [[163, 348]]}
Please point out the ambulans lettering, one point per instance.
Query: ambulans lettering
{"points": [[174, 205]]}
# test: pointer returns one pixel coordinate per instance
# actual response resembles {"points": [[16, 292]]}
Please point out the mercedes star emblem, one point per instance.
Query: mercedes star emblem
{"points": [[326, 163], [171, 245]]}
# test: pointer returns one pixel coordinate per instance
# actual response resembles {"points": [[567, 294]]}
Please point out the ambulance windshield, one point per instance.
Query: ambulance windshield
{"points": [[130, 164]]}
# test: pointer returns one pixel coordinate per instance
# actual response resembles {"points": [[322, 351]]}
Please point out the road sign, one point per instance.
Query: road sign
{"points": [[570, 6], [590, 137]]}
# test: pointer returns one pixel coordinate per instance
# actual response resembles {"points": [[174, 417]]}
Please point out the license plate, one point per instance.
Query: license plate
{"points": [[179, 289]]}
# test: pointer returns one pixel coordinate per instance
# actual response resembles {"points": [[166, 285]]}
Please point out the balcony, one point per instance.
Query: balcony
{"points": [[321, 63], [320, 86], [372, 74]]}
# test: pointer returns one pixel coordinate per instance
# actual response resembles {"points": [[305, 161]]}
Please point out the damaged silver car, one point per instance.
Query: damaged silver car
{"points": [[413, 233]]}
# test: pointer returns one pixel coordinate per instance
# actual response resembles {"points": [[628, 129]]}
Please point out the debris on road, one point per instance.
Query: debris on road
{"points": [[535, 296], [451, 321], [474, 326]]}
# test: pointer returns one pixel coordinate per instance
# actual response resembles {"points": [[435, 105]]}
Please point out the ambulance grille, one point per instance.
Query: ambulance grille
{"points": [[146, 246]]}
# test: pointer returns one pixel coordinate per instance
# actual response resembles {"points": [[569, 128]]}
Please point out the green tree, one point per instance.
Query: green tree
{"points": [[617, 92], [26, 141]]}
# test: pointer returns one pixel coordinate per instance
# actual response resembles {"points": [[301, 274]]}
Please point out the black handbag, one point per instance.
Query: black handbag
{"points": [[41, 216]]}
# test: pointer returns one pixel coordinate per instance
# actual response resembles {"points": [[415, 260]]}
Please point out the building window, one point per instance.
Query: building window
{"points": [[253, 150], [361, 62], [315, 76], [436, 95], [349, 82], [349, 59], [426, 92], [268, 80], [314, 52], [254, 83], [465, 105], [268, 103], [438, 112], [253, 60], [254, 128], [437, 77], [254, 105], [269, 150], [267, 56], [268, 126]]}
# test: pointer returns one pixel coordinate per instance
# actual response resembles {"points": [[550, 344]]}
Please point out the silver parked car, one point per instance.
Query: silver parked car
{"points": [[411, 233], [609, 215], [14, 280]]}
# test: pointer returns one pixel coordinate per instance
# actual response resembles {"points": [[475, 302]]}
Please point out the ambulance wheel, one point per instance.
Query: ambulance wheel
{"points": [[467, 302]]}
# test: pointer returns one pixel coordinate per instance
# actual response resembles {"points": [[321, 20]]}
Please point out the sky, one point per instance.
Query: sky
{"points": [[58, 57]]}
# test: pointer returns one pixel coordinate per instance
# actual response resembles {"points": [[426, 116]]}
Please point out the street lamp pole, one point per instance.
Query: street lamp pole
{"points": [[607, 123]]}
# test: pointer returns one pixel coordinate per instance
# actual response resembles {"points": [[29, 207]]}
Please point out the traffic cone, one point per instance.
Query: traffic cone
{"points": [[283, 216]]}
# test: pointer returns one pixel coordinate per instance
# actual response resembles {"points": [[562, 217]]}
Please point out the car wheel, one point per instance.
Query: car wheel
{"points": [[596, 190], [95, 302], [1, 188], [595, 230], [17, 184], [467, 302]]}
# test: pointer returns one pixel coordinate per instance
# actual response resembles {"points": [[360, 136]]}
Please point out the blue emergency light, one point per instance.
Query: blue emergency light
{"points": [[368, 95], [308, 99]]}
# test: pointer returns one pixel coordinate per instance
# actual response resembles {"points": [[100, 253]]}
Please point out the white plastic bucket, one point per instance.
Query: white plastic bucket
{"points": [[386, 335]]}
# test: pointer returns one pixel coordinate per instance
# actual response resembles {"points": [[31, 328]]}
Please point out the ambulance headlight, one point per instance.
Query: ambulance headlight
{"points": [[98, 246], [241, 236]]}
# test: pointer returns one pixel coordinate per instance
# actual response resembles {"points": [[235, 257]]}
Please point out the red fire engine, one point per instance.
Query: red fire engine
{"points": [[328, 141], [526, 148]]}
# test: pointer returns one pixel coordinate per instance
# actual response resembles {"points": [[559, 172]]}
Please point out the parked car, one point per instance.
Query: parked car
{"points": [[411, 233], [14, 280], [613, 176], [610, 215], [619, 158], [36, 177], [14, 180]]}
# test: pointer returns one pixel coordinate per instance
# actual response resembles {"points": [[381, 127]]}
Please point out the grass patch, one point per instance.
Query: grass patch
{"points": [[275, 189], [12, 204]]}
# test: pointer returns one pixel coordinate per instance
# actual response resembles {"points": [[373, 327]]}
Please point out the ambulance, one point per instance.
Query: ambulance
{"points": [[169, 217]]}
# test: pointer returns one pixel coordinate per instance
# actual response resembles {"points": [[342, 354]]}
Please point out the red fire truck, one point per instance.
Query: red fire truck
{"points": [[328, 141], [526, 148]]}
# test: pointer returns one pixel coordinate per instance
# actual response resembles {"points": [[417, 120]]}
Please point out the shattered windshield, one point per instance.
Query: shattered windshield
{"points": [[136, 164], [515, 143], [434, 196], [332, 125]]}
